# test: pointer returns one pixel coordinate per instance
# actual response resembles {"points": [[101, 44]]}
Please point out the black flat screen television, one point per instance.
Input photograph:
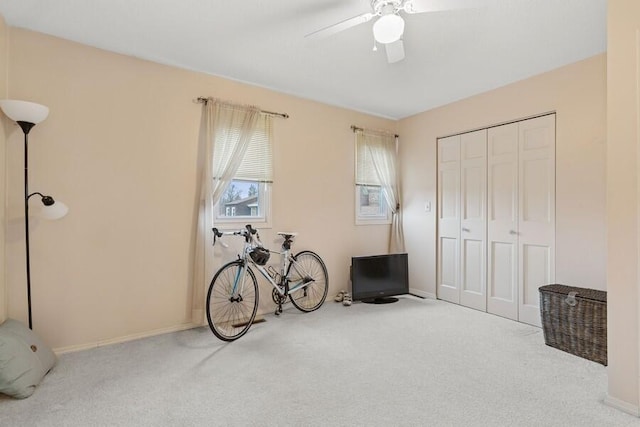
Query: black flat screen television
{"points": [[376, 279]]}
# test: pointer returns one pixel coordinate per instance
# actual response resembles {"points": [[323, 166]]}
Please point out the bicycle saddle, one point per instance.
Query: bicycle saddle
{"points": [[286, 235]]}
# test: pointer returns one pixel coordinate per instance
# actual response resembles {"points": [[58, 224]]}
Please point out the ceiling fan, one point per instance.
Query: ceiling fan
{"points": [[389, 25]]}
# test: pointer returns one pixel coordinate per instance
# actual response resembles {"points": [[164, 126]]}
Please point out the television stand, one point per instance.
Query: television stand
{"points": [[380, 300]]}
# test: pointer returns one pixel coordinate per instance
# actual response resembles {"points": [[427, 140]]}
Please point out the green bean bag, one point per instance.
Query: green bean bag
{"points": [[24, 359]]}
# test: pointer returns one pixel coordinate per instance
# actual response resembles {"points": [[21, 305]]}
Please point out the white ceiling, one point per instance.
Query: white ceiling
{"points": [[449, 55]]}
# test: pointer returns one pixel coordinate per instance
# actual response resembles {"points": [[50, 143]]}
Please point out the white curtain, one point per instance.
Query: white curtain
{"points": [[225, 133], [383, 149]]}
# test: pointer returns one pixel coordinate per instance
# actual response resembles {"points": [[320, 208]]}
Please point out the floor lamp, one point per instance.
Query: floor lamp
{"points": [[27, 115]]}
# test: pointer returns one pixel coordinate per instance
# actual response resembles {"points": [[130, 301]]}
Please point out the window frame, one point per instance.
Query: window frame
{"points": [[364, 178], [262, 221], [255, 167], [383, 219]]}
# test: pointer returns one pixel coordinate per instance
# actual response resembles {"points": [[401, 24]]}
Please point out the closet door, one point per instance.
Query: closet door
{"points": [[536, 227], [502, 221], [448, 277], [473, 219], [496, 218]]}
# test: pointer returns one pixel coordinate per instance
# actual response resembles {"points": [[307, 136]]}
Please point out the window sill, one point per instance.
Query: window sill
{"points": [[381, 221], [239, 223]]}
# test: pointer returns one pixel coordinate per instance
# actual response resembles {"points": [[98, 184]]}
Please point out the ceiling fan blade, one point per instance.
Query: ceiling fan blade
{"points": [[340, 26], [395, 51], [423, 6]]}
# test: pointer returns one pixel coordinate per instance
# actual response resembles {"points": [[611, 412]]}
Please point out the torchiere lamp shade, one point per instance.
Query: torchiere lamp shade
{"points": [[24, 111]]}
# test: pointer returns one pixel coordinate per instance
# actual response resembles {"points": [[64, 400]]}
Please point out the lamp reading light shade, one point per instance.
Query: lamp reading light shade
{"points": [[24, 111], [388, 28], [54, 211]]}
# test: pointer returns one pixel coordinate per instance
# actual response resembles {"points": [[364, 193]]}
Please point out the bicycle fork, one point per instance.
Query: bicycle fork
{"points": [[238, 284]]}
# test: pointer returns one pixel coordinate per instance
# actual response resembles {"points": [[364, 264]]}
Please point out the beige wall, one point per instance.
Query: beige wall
{"points": [[3, 170], [577, 93], [622, 202], [119, 148]]}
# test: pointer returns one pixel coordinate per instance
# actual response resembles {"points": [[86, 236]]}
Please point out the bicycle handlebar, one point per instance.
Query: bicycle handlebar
{"points": [[249, 233]]}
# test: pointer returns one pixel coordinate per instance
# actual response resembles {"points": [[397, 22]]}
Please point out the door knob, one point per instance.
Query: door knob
{"points": [[465, 229], [513, 232]]}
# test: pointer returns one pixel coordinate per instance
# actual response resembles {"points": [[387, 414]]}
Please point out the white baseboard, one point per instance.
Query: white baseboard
{"points": [[421, 293], [125, 338], [622, 405], [182, 327]]}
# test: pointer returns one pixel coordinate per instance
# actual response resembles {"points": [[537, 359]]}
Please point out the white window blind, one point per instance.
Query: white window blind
{"points": [[365, 170], [257, 163]]}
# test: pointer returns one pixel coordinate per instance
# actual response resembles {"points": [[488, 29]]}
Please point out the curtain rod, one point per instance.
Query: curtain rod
{"points": [[356, 128], [204, 100]]}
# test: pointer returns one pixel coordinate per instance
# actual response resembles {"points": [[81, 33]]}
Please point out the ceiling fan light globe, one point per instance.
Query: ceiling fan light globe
{"points": [[388, 28]]}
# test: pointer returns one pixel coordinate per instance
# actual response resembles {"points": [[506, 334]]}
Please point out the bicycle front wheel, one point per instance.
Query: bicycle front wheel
{"points": [[308, 267], [232, 301]]}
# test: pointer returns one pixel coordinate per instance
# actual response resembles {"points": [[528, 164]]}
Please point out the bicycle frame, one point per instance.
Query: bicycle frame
{"points": [[284, 287]]}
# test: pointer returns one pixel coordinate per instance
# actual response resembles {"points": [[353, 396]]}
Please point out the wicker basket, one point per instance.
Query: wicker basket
{"points": [[575, 320]]}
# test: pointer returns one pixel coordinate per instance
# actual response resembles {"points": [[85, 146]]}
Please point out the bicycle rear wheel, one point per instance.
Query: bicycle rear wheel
{"points": [[232, 301], [308, 266]]}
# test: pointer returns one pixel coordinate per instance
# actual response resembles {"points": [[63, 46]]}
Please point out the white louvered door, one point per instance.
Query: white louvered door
{"points": [[462, 219], [536, 219], [473, 219], [448, 272], [502, 224]]}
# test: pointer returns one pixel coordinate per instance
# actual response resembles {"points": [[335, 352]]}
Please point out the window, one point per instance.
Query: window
{"points": [[243, 200], [371, 207], [247, 197], [370, 201]]}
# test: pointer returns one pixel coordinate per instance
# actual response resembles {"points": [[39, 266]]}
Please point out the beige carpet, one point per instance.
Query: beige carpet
{"points": [[412, 363]]}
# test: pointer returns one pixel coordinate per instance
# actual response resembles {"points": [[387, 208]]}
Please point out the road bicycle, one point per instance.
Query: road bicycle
{"points": [[232, 299]]}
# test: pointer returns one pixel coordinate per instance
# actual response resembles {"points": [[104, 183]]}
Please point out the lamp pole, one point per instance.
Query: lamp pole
{"points": [[26, 127], [46, 200]]}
